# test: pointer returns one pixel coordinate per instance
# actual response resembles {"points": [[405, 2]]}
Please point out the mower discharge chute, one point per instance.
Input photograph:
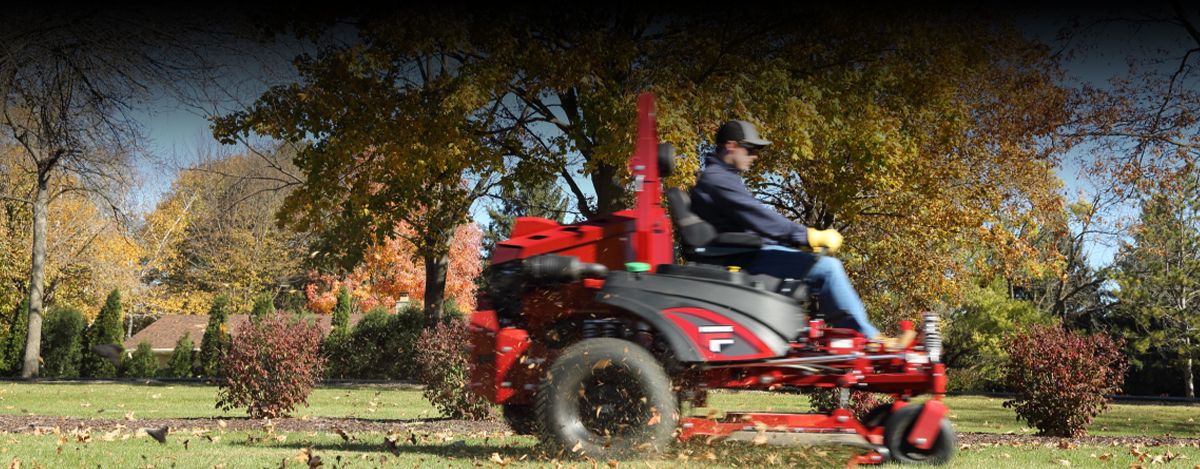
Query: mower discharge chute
{"points": [[590, 336]]}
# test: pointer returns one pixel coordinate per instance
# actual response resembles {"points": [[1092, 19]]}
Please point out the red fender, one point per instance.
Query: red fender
{"points": [[925, 429]]}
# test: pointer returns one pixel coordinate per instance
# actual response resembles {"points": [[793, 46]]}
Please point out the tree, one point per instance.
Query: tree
{"points": [[1158, 278], [67, 86], [392, 270], [216, 339], [213, 233], [63, 350], [975, 335], [180, 364], [105, 330], [341, 313], [421, 153]]}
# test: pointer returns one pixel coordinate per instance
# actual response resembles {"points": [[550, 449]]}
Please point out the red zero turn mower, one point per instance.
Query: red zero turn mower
{"points": [[590, 336]]}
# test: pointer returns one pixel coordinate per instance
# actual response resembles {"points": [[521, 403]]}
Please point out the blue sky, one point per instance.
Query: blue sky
{"points": [[177, 134]]}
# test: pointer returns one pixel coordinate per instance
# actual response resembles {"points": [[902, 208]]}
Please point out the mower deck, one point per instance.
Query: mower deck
{"points": [[787, 429]]}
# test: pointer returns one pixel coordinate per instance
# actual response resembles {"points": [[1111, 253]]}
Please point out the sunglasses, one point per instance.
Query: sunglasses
{"points": [[751, 149]]}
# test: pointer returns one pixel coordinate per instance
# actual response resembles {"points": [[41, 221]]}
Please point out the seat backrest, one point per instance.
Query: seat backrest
{"points": [[693, 230]]}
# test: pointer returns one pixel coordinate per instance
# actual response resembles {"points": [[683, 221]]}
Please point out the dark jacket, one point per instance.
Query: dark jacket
{"points": [[721, 198]]}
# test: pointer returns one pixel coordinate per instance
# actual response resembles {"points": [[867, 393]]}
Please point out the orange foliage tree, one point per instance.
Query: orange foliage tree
{"points": [[392, 269]]}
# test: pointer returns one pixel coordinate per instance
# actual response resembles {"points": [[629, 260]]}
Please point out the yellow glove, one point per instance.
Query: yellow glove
{"points": [[824, 240]]}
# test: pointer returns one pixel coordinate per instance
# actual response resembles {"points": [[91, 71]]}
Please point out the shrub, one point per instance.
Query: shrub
{"points": [[18, 329], [106, 329], [62, 345], [442, 364], [379, 347], [975, 336], [263, 306], [143, 363], [216, 339], [271, 367], [180, 364], [1060, 378], [825, 400]]}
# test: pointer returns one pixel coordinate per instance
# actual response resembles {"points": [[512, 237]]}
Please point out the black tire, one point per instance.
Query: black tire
{"points": [[895, 437], [521, 418], [607, 398], [877, 416]]}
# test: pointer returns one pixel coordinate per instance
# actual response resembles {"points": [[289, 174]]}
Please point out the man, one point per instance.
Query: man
{"points": [[721, 198]]}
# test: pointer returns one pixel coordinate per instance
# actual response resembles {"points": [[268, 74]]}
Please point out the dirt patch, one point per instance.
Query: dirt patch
{"points": [[35, 423], [1008, 439]]}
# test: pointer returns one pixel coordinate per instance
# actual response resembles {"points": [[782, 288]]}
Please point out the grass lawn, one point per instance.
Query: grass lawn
{"points": [[211, 446], [157, 401]]}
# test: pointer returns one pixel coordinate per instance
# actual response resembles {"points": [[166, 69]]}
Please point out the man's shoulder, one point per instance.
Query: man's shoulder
{"points": [[717, 175]]}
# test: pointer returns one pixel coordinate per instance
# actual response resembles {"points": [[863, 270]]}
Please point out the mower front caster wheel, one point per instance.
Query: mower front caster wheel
{"points": [[607, 398], [895, 437]]}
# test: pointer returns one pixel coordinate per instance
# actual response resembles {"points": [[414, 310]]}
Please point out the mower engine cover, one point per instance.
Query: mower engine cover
{"points": [[706, 318]]}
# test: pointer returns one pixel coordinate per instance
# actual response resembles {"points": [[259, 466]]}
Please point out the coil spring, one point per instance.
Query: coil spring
{"points": [[601, 328], [933, 338]]}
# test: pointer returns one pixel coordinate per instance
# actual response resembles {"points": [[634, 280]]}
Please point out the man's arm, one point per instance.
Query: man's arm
{"points": [[731, 194]]}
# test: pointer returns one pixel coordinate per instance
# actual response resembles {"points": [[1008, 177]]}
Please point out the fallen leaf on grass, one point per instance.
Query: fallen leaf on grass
{"points": [[496, 458], [342, 433]]}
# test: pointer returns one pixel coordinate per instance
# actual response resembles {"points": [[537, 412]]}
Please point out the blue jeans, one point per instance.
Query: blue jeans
{"points": [[826, 277]]}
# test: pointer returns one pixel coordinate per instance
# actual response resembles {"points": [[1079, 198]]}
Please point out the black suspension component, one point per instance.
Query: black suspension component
{"points": [[607, 327], [509, 282], [553, 268]]}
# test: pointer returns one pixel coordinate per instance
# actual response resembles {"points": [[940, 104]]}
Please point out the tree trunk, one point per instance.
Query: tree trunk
{"points": [[609, 191], [37, 277], [436, 267], [1189, 382]]}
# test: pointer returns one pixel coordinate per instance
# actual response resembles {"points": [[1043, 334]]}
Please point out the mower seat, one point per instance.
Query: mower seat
{"points": [[701, 241]]}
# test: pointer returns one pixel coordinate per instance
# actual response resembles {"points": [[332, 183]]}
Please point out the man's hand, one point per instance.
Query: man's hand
{"points": [[827, 240]]}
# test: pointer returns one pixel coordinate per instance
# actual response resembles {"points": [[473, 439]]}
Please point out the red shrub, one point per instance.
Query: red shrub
{"points": [[1060, 378], [825, 400], [271, 367], [443, 366]]}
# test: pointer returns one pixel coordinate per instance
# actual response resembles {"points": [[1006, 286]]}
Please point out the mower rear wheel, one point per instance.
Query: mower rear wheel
{"points": [[521, 418], [607, 398], [895, 437]]}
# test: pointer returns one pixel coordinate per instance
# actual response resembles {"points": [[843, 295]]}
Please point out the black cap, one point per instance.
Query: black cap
{"points": [[741, 132]]}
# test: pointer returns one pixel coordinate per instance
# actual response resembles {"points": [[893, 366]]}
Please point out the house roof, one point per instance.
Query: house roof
{"points": [[166, 331]]}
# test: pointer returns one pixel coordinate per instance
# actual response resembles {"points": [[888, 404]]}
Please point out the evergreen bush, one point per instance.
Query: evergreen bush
{"points": [[142, 364], [216, 339], [106, 329], [62, 343], [181, 363]]}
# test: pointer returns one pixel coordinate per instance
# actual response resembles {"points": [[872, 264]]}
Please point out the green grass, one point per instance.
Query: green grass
{"points": [[110, 400], [258, 449]]}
